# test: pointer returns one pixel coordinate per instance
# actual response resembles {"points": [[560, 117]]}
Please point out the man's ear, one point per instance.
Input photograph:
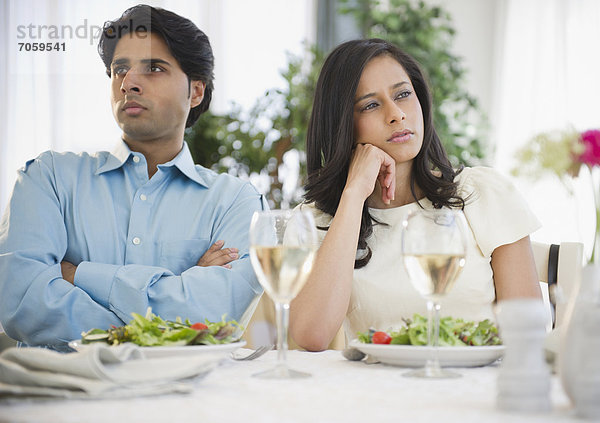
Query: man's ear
{"points": [[197, 93]]}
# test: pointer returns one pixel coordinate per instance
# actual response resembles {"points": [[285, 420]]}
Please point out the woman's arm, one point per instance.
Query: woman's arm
{"points": [[514, 269], [319, 310]]}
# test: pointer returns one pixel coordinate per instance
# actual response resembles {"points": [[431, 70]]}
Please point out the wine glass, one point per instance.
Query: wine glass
{"points": [[282, 248], [433, 250]]}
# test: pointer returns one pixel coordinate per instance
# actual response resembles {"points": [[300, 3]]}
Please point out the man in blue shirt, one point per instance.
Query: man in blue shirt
{"points": [[88, 239]]}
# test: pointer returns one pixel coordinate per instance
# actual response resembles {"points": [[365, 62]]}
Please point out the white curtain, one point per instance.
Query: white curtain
{"points": [[60, 100], [547, 69]]}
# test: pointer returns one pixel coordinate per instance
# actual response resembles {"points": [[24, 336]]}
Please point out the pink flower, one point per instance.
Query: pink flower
{"points": [[591, 141]]}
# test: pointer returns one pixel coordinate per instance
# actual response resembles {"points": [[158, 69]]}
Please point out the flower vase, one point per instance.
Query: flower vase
{"points": [[595, 176], [578, 363]]}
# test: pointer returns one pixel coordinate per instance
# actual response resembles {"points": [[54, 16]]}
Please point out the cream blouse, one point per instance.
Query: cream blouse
{"points": [[382, 294]]}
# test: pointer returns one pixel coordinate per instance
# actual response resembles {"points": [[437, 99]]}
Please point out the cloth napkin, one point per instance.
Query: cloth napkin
{"points": [[101, 371]]}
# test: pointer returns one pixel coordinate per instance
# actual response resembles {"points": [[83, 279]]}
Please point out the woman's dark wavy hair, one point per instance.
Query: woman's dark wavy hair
{"points": [[188, 45], [330, 137]]}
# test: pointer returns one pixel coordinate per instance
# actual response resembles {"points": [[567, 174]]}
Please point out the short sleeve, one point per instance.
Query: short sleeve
{"points": [[322, 219], [495, 210]]}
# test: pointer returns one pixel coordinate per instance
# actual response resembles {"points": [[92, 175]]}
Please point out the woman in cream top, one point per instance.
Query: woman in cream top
{"points": [[382, 294], [372, 156]]}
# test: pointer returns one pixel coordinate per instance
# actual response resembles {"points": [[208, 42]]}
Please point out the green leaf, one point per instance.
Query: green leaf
{"points": [[400, 338], [152, 330], [453, 332]]}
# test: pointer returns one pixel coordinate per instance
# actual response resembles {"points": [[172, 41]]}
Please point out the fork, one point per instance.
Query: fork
{"points": [[254, 354]]}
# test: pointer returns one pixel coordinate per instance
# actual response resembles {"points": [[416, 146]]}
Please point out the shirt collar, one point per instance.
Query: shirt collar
{"points": [[116, 158], [183, 161]]}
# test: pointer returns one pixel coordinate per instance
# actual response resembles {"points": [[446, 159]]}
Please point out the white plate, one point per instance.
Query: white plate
{"points": [[415, 356], [155, 352]]}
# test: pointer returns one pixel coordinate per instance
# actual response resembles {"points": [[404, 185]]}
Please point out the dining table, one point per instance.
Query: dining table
{"points": [[338, 390]]}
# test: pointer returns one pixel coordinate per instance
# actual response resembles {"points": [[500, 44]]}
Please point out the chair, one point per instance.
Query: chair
{"points": [[560, 267]]}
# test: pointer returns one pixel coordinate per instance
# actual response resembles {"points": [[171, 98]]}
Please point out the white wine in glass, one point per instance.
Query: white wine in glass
{"points": [[434, 251], [282, 248], [282, 270], [434, 274]]}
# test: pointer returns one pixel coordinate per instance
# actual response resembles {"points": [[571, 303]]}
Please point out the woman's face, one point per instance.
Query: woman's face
{"points": [[387, 112]]}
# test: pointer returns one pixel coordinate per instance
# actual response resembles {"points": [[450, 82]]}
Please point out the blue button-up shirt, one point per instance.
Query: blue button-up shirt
{"points": [[135, 241]]}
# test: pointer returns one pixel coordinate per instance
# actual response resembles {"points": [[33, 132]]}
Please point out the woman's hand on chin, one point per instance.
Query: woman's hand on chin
{"points": [[368, 165]]}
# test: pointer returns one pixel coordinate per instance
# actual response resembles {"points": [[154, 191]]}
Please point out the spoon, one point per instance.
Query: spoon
{"points": [[353, 354]]}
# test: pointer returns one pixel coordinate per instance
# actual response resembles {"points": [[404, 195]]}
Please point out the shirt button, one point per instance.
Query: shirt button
{"points": [[143, 197], [136, 240], [136, 159]]}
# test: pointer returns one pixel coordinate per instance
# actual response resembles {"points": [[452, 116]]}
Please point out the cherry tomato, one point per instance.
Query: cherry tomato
{"points": [[199, 326], [381, 338]]}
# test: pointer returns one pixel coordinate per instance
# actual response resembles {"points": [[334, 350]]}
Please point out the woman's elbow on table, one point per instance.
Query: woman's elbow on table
{"points": [[310, 339]]}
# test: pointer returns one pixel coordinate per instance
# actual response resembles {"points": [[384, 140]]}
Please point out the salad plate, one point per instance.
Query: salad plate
{"points": [[170, 351], [415, 356]]}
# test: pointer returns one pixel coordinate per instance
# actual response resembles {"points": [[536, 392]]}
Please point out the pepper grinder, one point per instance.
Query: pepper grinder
{"points": [[523, 382]]}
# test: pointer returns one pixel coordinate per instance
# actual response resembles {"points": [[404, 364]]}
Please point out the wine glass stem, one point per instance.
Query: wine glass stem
{"points": [[282, 310], [430, 307], [433, 328], [436, 322]]}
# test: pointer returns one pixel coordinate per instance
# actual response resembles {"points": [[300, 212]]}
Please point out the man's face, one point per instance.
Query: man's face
{"points": [[150, 94]]}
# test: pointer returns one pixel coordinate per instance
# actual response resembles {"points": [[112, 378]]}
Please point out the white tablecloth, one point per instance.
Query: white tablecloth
{"points": [[338, 391]]}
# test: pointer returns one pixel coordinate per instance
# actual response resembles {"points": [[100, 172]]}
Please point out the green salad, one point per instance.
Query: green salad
{"points": [[151, 330], [453, 332]]}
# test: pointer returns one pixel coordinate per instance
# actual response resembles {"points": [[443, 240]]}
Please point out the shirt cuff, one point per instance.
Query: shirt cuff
{"points": [[96, 279]]}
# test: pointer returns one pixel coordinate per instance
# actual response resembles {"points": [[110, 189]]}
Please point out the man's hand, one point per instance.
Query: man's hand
{"points": [[216, 255], [68, 271]]}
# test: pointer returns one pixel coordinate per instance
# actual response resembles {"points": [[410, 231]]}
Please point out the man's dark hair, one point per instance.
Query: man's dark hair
{"points": [[188, 45]]}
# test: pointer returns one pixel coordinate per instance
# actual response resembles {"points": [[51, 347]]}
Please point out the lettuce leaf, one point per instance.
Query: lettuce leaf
{"points": [[152, 330], [453, 332]]}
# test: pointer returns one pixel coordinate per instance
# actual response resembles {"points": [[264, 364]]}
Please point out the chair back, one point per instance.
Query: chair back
{"points": [[559, 265]]}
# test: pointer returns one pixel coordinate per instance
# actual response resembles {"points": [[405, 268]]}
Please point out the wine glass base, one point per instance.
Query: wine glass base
{"points": [[281, 372], [432, 373]]}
